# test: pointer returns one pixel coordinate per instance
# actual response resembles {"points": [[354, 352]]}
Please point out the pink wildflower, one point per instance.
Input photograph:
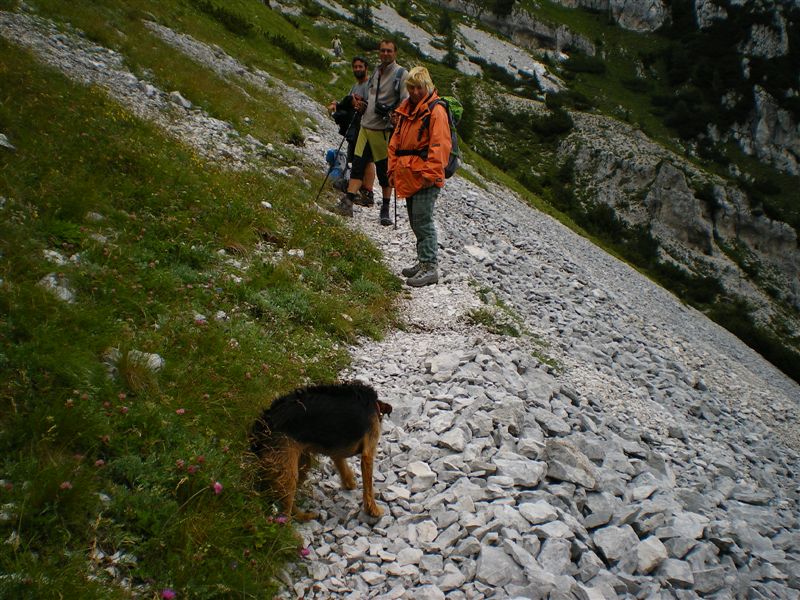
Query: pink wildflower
{"points": [[193, 469], [123, 410], [180, 411], [99, 462], [180, 463], [122, 395], [282, 519], [65, 485], [168, 594], [217, 488], [200, 459], [304, 552]]}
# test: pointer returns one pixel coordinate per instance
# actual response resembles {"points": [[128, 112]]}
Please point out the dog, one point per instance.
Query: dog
{"points": [[338, 421]]}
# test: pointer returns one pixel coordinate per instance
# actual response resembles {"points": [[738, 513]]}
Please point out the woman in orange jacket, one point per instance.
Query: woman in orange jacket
{"points": [[418, 152]]}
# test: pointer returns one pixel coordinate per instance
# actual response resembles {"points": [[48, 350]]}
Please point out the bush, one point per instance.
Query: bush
{"points": [[404, 9], [571, 98], [311, 9], [502, 8], [304, 55], [495, 72], [640, 86], [581, 63], [226, 17], [557, 123], [736, 317], [367, 43]]}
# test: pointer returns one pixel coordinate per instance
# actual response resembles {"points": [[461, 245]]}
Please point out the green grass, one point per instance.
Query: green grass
{"points": [[68, 432]]}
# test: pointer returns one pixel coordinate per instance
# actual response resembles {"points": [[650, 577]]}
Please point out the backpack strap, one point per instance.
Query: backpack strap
{"points": [[397, 79], [398, 76], [426, 120]]}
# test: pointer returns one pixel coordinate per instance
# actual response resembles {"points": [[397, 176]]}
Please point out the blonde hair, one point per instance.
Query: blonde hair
{"points": [[419, 76]]}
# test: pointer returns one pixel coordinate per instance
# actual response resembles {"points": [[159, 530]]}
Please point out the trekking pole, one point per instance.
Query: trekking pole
{"points": [[395, 208], [330, 168]]}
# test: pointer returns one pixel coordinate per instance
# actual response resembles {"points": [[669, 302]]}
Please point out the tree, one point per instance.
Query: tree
{"points": [[445, 26], [363, 15], [503, 8]]}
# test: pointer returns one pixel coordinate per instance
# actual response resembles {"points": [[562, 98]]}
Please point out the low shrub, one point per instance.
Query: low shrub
{"points": [[232, 21], [582, 63]]}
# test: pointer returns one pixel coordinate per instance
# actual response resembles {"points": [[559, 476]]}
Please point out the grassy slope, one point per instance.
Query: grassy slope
{"points": [[168, 214]]}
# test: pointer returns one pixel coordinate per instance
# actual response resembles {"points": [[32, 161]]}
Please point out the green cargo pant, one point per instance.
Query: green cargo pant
{"points": [[420, 214]]}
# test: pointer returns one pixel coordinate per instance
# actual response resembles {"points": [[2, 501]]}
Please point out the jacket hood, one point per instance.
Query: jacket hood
{"points": [[420, 109]]}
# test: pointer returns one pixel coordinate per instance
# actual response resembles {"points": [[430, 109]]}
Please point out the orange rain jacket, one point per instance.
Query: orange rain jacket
{"points": [[413, 173]]}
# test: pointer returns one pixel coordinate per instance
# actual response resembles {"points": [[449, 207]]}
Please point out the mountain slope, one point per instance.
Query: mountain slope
{"points": [[655, 404]]}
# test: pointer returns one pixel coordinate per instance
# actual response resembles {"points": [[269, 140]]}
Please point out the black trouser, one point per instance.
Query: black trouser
{"points": [[360, 165]]}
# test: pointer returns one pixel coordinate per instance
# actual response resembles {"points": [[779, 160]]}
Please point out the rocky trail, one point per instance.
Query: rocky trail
{"points": [[622, 446]]}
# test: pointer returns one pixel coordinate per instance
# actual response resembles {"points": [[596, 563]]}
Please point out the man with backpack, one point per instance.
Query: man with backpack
{"points": [[386, 90], [419, 151], [347, 115]]}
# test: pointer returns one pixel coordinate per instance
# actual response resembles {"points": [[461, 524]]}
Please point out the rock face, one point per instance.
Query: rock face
{"points": [[770, 133], [523, 28], [650, 186], [706, 12], [636, 15], [767, 40]]}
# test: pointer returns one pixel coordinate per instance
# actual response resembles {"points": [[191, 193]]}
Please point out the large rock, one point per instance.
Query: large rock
{"points": [[496, 568], [538, 512], [615, 542], [566, 463], [651, 553], [525, 473], [677, 573]]}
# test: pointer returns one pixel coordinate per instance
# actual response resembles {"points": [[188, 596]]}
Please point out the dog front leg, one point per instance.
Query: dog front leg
{"points": [[290, 473]]}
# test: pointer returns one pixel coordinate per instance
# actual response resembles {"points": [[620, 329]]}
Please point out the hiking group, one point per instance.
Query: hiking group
{"points": [[404, 129]]}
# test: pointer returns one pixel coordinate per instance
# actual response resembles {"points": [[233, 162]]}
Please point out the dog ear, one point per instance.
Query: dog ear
{"points": [[386, 409]]}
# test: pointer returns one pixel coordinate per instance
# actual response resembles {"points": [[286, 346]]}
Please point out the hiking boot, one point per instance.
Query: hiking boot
{"points": [[345, 206], [385, 218], [427, 275], [365, 198], [412, 270]]}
